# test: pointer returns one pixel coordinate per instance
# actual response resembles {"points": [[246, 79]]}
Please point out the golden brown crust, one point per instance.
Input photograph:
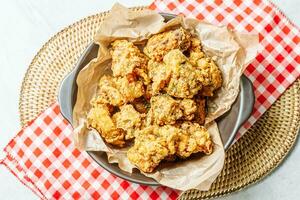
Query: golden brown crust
{"points": [[108, 92], [118, 91], [211, 76], [128, 119], [189, 108], [193, 139], [160, 44], [195, 51], [126, 57], [100, 119], [117, 128], [166, 110], [129, 90], [152, 145], [160, 75], [157, 143], [185, 81]]}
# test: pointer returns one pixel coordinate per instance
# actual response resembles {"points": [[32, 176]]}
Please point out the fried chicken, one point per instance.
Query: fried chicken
{"points": [[128, 59], [175, 75], [100, 119], [189, 108], [157, 143], [129, 90], [183, 77], [211, 78], [195, 51], [160, 44], [185, 81], [108, 92], [193, 138], [128, 119], [160, 75], [152, 145], [117, 128], [118, 91], [166, 110]]}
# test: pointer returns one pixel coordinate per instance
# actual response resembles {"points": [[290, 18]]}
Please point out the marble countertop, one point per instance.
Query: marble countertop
{"points": [[27, 25]]}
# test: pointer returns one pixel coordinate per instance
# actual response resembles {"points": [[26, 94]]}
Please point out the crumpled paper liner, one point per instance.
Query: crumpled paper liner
{"points": [[232, 52]]}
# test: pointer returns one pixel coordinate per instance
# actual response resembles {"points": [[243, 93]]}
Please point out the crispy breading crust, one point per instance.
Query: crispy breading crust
{"points": [[126, 57], [99, 118], [117, 128], [157, 143], [189, 108], [160, 75], [193, 139], [211, 74], [160, 44], [185, 81], [118, 91], [129, 120], [129, 90], [167, 110], [152, 145], [164, 110]]}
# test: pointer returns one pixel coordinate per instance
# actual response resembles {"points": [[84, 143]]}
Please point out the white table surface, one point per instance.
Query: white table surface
{"points": [[26, 25]]}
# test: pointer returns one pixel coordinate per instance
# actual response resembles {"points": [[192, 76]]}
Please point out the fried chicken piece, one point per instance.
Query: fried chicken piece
{"points": [[128, 119], [108, 92], [189, 108], [118, 91], [193, 138], [160, 75], [186, 80], [164, 110], [211, 74], [100, 119], [201, 111], [128, 59], [152, 145], [183, 77], [160, 44], [173, 68], [195, 51], [129, 90], [157, 143]]}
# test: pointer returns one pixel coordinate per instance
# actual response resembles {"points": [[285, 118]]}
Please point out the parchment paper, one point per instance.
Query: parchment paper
{"points": [[232, 51]]}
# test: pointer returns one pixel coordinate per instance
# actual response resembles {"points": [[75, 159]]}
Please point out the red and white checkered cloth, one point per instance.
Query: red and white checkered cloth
{"points": [[42, 155]]}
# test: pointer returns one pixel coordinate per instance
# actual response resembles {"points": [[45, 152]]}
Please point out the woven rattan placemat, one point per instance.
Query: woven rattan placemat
{"points": [[254, 156]]}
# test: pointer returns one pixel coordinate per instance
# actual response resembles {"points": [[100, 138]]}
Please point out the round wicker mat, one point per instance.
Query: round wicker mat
{"points": [[254, 156]]}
